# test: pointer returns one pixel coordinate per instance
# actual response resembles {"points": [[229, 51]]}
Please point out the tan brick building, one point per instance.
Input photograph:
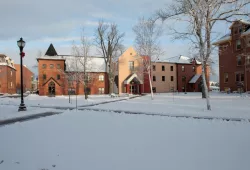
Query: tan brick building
{"points": [[7, 75], [62, 74], [234, 57], [28, 77]]}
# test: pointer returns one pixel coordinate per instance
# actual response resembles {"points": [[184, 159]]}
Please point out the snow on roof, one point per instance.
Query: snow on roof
{"points": [[6, 61], [58, 57], [181, 60], [226, 37], [195, 78], [93, 64], [247, 22]]}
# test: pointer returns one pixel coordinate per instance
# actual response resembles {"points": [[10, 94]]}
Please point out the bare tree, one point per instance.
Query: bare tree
{"points": [[201, 17], [147, 45], [108, 40]]}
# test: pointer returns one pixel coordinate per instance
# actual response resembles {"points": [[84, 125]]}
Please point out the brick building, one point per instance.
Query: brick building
{"points": [[188, 74], [7, 75], [234, 57], [62, 74], [28, 77]]}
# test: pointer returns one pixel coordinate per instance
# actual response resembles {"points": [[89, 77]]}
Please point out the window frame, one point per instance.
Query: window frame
{"points": [[131, 67], [183, 68], [171, 78], [44, 66], [58, 66], [154, 78], [162, 68], [224, 77], [171, 68], [237, 60], [238, 40], [101, 77], [51, 66], [101, 90], [44, 76], [58, 77], [163, 78], [154, 68]]}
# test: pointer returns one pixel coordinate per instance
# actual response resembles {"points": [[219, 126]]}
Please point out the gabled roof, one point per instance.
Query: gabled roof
{"points": [[133, 77], [51, 78], [51, 51], [6, 61]]}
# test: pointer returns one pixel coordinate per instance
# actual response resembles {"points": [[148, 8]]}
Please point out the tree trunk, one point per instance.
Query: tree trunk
{"points": [[205, 86], [85, 92], [150, 83]]}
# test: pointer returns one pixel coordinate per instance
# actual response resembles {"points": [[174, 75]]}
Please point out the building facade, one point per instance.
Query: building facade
{"points": [[164, 77], [234, 57], [28, 77], [189, 74], [7, 75], [63, 74]]}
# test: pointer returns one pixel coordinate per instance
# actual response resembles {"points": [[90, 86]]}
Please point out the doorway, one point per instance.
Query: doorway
{"points": [[52, 89]]}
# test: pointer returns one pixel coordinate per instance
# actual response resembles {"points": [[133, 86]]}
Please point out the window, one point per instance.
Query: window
{"points": [[183, 78], [101, 90], [248, 41], [248, 61], [131, 65], [58, 66], [163, 78], [154, 89], [239, 77], [238, 44], [44, 65], [182, 68], [101, 77], [154, 78], [225, 77], [58, 77], [154, 67], [10, 72], [240, 29], [171, 68], [131, 53], [193, 68], [242, 77], [235, 30], [172, 78], [163, 68], [44, 76], [51, 65], [239, 62], [11, 84]]}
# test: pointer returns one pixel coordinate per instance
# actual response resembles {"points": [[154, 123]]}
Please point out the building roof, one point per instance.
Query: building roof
{"points": [[51, 51], [181, 60], [6, 61], [228, 36], [195, 78]]}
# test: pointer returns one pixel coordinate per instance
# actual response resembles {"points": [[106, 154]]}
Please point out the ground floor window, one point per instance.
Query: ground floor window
{"points": [[101, 90], [154, 89]]}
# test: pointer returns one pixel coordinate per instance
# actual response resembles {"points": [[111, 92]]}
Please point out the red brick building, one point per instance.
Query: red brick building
{"points": [[63, 74], [7, 75], [234, 57], [27, 79], [189, 74]]}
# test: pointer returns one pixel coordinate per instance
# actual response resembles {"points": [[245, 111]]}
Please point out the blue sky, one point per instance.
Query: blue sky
{"points": [[60, 22]]}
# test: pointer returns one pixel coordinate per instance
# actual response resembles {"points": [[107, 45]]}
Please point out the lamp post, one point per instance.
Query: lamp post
{"points": [[21, 45]]}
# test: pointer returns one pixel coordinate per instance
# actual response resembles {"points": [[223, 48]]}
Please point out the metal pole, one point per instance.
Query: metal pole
{"points": [[22, 106]]}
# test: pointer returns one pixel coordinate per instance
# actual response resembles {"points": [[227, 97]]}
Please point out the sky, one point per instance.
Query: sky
{"points": [[61, 22]]}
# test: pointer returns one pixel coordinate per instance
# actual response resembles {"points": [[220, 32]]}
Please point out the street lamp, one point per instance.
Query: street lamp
{"points": [[21, 45]]}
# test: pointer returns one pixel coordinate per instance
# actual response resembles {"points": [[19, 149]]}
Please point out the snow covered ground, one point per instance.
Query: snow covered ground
{"points": [[7, 112], [106, 140], [190, 104], [63, 101]]}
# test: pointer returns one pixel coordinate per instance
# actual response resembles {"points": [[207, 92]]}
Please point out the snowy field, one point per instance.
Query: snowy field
{"points": [[190, 104], [104, 140], [61, 101]]}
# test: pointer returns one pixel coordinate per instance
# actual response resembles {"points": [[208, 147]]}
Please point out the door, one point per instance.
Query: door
{"points": [[52, 89]]}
